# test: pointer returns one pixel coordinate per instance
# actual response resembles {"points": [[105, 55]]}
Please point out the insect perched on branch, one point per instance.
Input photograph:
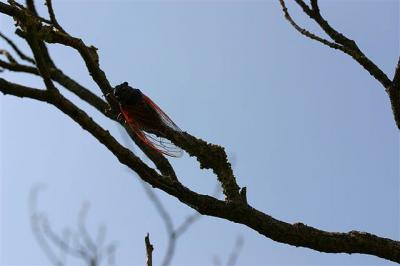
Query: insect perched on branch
{"points": [[146, 119]]}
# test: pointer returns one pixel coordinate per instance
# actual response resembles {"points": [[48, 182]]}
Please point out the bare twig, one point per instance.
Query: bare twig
{"points": [[17, 50], [235, 252], [31, 6], [348, 46], [53, 18], [396, 77], [149, 250], [37, 231], [9, 57], [306, 32], [172, 232], [50, 241]]}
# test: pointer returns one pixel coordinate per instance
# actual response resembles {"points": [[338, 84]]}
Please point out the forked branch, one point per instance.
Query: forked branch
{"points": [[348, 46]]}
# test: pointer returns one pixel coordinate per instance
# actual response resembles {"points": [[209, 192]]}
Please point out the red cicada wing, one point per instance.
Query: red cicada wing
{"points": [[164, 117], [159, 144]]}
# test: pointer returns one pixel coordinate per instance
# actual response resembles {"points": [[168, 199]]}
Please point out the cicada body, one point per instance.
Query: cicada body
{"points": [[146, 119]]}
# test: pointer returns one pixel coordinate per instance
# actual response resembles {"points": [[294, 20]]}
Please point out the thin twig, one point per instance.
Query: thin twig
{"points": [[348, 46], [84, 234], [53, 16], [37, 230], [235, 252], [149, 250], [306, 32], [42, 46], [17, 50], [396, 77], [9, 57], [50, 241]]}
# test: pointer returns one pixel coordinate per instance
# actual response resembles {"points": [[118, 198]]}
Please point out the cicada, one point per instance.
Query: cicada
{"points": [[146, 119]]}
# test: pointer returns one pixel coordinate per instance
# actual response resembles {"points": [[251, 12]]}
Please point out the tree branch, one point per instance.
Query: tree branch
{"points": [[41, 45], [53, 18], [22, 91], [90, 252], [394, 94], [306, 32], [209, 155], [92, 99], [149, 250], [39, 58], [17, 50], [294, 234], [348, 46]]}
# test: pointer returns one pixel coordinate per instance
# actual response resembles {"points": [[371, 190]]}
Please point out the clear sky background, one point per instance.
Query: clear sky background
{"points": [[311, 132]]}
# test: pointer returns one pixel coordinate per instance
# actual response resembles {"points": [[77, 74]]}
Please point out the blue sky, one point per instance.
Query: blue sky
{"points": [[311, 131]]}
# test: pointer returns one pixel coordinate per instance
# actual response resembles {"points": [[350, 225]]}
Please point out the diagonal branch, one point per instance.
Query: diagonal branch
{"points": [[17, 50], [396, 77], [41, 45], [306, 32], [149, 250], [92, 99], [394, 94], [9, 57], [65, 81], [294, 234], [40, 62], [209, 155], [349, 47], [53, 18], [7, 87]]}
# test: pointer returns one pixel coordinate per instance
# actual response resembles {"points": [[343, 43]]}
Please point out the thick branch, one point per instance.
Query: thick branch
{"points": [[92, 99], [41, 45], [209, 156], [396, 77], [42, 64], [394, 94], [296, 234], [22, 91]]}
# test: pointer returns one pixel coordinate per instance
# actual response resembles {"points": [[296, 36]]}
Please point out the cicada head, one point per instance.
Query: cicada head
{"points": [[126, 95]]}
